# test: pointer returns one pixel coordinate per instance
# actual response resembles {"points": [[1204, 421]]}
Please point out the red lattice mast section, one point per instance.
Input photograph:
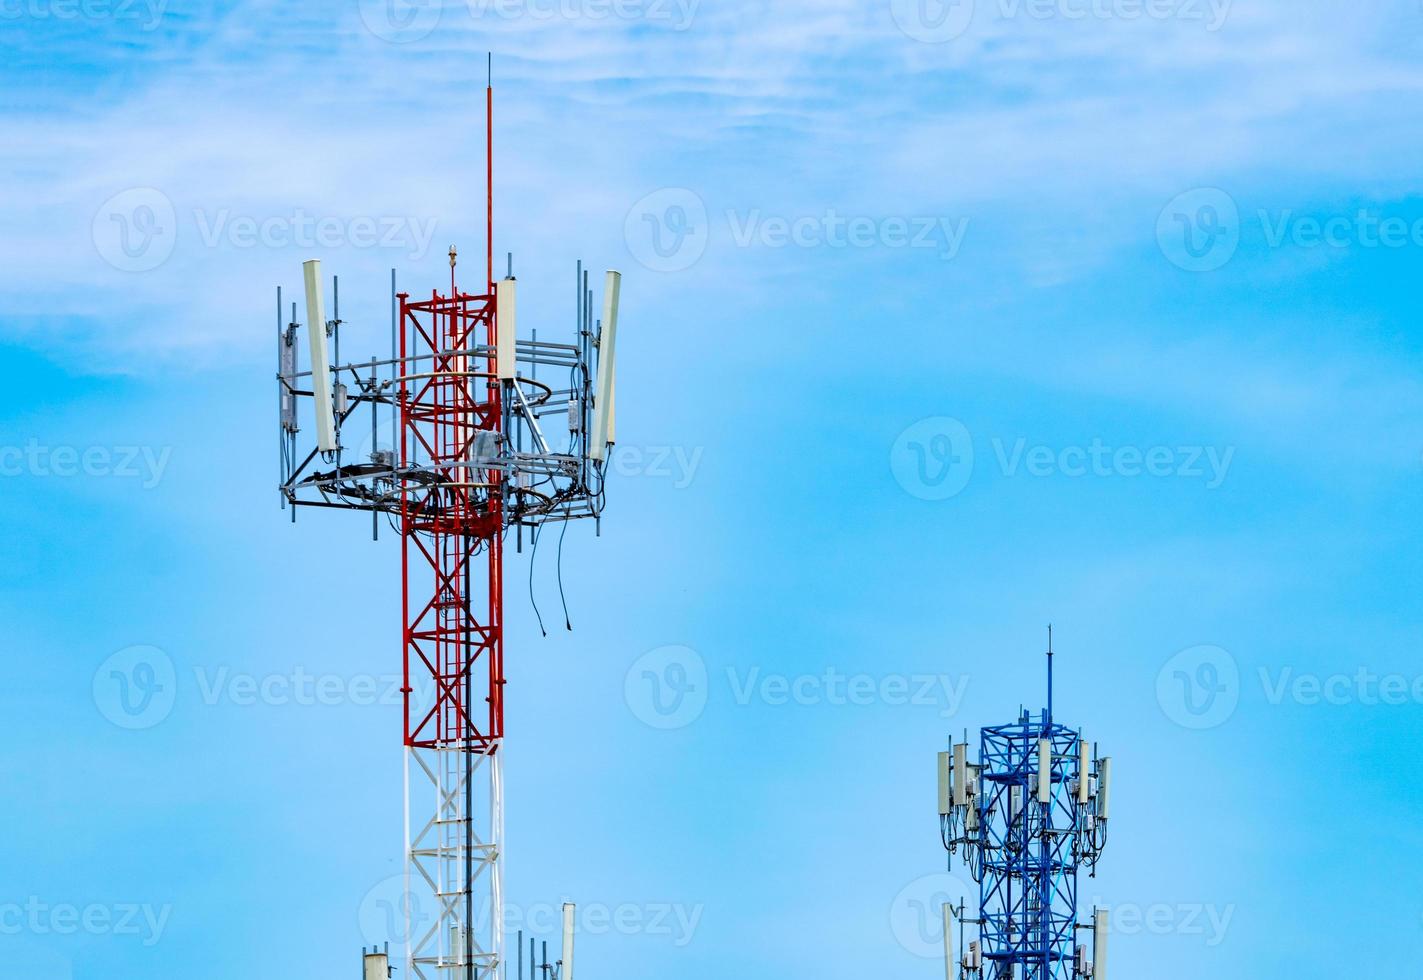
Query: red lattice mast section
{"points": [[451, 527]]}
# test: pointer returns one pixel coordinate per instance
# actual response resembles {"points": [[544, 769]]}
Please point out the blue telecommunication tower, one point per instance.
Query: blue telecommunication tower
{"points": [[1028, 816]]}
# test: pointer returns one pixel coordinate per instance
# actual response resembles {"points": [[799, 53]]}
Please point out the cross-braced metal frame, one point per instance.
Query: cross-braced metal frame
{"points": [[1029, 814], [473, 454], [452, 528], [1028, 887]]}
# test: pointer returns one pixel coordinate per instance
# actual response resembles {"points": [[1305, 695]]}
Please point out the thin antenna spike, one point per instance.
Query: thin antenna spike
{"points": [[489, 166], [1049, 675]]}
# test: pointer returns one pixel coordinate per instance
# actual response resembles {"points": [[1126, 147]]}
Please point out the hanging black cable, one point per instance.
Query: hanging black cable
{"points": [[534, 534], [566, 621]]}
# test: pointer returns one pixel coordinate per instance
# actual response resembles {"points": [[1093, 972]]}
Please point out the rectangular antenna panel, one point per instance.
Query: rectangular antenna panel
{"points": [[1104, 788], [1044, 770], [960, 774], [950, 967], [320, 359], [602, 432], [567, 972], [946, 782], [288, 383], [1084, 770], [506, 347], [1099, 944]]}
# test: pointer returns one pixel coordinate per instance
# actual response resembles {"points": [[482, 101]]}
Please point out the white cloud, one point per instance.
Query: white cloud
{"points": [[1065, 126]]}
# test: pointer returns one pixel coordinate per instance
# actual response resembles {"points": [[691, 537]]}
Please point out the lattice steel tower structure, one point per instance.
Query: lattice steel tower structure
{"points": [[1028, 815], [470, 457]]}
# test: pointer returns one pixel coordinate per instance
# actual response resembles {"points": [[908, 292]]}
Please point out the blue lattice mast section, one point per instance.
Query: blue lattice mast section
{"points": [[1028, 816]]}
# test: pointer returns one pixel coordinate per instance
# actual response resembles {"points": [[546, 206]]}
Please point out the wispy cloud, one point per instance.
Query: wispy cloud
{"points": [[1060, 137]]}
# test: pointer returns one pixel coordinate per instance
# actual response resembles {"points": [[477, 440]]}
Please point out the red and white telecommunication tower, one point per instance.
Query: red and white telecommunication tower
{"points": [[469, 457]]}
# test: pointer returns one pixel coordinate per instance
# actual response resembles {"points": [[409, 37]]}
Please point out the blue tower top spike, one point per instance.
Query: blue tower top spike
{"points": [[1049, 676]]}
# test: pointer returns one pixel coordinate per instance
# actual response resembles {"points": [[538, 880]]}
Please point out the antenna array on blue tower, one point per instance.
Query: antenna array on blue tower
{"points": [[1027, 816]]}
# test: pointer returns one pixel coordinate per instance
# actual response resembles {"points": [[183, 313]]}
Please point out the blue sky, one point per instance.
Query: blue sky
{"points": [[940, 323]]}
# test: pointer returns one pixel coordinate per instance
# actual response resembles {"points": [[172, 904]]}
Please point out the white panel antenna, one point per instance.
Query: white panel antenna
{"points": [[946, 799], [607, 353], [320, 358], [1084, 770], [1099, 944], [567, 972], [1045, 771], [960, 774], [950, 967], [1104, 788], [506, 345]]}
